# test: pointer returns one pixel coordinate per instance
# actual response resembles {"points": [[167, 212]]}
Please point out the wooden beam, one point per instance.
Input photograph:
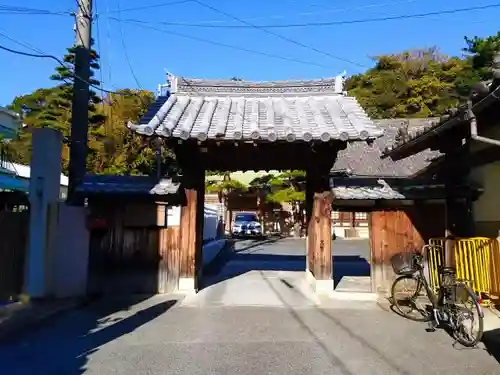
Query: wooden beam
{"points": [[230, 156]]}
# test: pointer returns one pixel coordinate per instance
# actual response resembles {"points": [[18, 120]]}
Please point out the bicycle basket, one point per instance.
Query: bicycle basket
{"points": [[403, 264]]}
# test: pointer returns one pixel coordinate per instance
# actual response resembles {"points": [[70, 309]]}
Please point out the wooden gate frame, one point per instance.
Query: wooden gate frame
{"points": [[194, 160]]}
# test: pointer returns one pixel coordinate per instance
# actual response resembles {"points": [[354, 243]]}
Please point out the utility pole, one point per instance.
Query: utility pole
{"points": [[80, 105]]}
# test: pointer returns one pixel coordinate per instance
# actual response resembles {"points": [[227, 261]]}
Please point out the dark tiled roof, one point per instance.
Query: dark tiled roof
{"points": [[268, 111], [390, 189], [360, 159], [366, 193], [135, 185]]}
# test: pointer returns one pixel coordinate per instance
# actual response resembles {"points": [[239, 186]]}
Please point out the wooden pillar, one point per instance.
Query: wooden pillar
{"points": [[192, 218], [308, 222], [319, 239]]}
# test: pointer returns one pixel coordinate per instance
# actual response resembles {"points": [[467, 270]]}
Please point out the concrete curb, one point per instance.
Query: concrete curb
{"points": [[34, 316]]}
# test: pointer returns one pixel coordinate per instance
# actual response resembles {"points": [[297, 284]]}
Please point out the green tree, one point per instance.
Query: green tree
{"points": [[224, 186], [53, 107], [480, 54], [414, 83], [31, 106], [286, 187], [119, 150]]}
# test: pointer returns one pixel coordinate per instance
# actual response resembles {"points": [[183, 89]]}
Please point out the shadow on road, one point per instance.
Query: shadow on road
{"points": [[238, 261], [64, 346], [491, 341]]}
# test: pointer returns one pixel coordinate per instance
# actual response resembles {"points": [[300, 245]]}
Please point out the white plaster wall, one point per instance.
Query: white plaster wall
{"points": [[487, 207], [71, 253], [210, 222], [44, 192]]}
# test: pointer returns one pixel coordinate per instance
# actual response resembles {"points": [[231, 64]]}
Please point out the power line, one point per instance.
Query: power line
{"points": [[127, 58], [315, 13], [98, 32], [23, 44], [59, 61], [282, 37], [160, 5], [219, 44], [7, 9], [336, 23]]}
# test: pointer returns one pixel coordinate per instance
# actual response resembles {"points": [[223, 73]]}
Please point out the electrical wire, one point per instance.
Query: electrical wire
{"points": [[108, 37], [98, 32], [60, 62], [160, 5], [315, 13], [109, 99], [21, 43], [282, 37], [146, 25], [337, 23], [7, 9], [127, 57]]}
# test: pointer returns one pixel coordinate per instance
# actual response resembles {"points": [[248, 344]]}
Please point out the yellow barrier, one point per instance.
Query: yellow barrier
{"points": [[476, 262]]}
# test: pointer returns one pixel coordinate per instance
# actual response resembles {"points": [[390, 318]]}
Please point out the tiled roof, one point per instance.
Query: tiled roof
{"points": [[252, 111], [365, 193], [224, 87], [390, 189], [140, 185], [360, 159]]}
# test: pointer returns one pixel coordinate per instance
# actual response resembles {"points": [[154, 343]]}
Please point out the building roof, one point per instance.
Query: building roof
{"points": [[360, 159], [313, 110], [24, 171], [391, 189], [10, 123], [10, 181], [127, 185]]}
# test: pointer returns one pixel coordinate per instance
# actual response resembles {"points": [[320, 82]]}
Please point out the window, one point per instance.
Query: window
{"points": [[360, 215], [246, 217], [335, 215]]}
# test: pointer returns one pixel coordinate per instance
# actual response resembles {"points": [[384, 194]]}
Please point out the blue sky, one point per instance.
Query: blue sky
{"points": [[151, 51]]}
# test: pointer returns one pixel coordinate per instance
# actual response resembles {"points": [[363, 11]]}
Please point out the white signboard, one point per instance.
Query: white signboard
{"points": [[174, 216]]}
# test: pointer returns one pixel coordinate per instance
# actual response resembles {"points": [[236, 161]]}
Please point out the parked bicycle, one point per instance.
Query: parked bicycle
{"points": [[448, 309]]}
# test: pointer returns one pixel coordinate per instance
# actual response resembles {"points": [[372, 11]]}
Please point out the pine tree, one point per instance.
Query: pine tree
{"points": [[56, 112]]}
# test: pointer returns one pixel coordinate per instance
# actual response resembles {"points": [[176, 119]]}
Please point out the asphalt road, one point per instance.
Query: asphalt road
{"points": [[350, 258], [152, 337], [260, 321], [292, 246]]}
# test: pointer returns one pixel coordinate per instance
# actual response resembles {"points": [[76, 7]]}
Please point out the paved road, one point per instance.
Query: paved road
{"points": [[154, 338], [297, 247], [252, 261], [261, 322]]}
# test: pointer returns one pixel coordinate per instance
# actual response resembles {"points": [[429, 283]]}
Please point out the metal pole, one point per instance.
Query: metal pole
{"points": [[80, 105]]}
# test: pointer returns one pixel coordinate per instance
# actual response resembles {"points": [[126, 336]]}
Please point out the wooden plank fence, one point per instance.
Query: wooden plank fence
{"points": [[14, 229]]}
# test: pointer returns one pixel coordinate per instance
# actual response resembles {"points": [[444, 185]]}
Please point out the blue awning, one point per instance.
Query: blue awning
{"points": [[9, 182]]}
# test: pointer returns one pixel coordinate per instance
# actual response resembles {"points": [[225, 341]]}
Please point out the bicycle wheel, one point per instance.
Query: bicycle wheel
{"points": [[412, 302], [466, 306]]}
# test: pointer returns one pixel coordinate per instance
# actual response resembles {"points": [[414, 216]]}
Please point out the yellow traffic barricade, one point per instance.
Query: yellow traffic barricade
{"points": [[476, 261]]}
